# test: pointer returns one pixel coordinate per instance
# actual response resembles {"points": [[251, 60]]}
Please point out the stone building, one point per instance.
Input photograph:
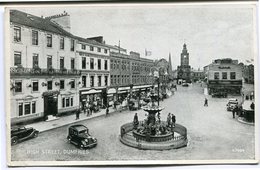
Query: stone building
{"points": [[44, 75], [248, 74], [224, 75], [184, 70], [197, 75]]}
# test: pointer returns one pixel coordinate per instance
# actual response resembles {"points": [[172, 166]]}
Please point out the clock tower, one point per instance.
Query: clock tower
{"points": [[184, 69], [184, 56]]}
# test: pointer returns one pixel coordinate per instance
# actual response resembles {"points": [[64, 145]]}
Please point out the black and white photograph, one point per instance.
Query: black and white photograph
{"points": [[131, 84]]}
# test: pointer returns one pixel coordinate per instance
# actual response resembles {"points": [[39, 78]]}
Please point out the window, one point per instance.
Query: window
{"points": [[105, 66], [91, 63], [118, 79], [63, 102], [111, 79], [83, 46], [72, 63], [118, 63], [18, 86], [49, 61], [61, 84], [216, 76], [105, 51], [84, 81], [72, 84], [99, 80], [61, 62], [35, 86], [106, 80], [67, 102], [20, 109], [224, 75], [72, 45], [17, 34], [49, 85], [62, 43], [99, 49], [27, 108], [91, 48], [83, 62], [34, 37], [33, 107], [91, 81], [35, 60], [49, 40], [232, 75], [71, 101], [99, 64], [17, 58]]}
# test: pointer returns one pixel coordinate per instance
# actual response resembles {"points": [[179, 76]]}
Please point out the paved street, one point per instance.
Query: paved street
{"points": [[212, 133]]}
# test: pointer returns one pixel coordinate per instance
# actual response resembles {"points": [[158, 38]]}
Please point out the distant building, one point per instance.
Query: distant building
{"points": [[224, 75], [248, 74], [184, 70], [197, 75]]}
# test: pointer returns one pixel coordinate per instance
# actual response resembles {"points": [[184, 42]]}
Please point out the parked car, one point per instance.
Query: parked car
{"points": [[185, 84], [19, 134], [219, 94], [80, 137], [231, 104]]}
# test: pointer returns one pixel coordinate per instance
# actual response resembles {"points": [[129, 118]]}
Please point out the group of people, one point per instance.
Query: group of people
{"points": [[171, 120]]}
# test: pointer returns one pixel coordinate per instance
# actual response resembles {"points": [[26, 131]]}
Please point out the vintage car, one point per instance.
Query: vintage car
{"points": [[185, 84], [231, 104], [219, 94], [19, 134], [80, 137]]}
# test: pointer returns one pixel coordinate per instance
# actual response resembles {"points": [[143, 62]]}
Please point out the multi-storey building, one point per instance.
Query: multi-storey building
{"points": [[197, 75], [248, 73], [224, 75], [43, 74]]}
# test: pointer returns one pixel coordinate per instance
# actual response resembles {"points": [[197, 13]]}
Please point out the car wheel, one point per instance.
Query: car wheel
{"points": [[35, 134], [14, 140]]}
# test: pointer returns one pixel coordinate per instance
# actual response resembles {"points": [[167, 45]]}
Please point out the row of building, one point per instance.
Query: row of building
{"points": [[54, 72]]}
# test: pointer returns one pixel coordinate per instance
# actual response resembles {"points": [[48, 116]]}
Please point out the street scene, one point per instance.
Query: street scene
{"points": [[124, 84]]}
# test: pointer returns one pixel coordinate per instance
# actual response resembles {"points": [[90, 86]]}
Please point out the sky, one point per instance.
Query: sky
{"points": [[210, 32]]}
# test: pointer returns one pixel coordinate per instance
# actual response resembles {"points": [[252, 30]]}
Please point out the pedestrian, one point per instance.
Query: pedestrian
{"points": [[169, 120], [107, 110], [252, 106], [173, 119], [234, 111], [206, 102], [159, 117], [77, 114], [135, 122]]}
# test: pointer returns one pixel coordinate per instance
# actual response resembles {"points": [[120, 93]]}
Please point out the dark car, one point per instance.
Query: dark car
{"points": [[80, 137], [19, 134], [219, 94]]}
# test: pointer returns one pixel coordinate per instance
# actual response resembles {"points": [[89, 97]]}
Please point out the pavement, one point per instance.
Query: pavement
{"points": [[66, 120]]}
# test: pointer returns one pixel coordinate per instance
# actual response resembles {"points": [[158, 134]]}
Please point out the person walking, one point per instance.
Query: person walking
{"points": [[252, 106], [169, 120], [107, 110], [77, 114], [234, 111], [206, 102], [173, 119]]}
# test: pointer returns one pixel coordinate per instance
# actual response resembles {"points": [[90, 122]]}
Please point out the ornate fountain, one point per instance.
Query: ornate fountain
{"points": [[152, 133]]}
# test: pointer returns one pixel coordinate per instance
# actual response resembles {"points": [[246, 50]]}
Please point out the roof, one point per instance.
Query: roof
{"points": [[79, 127], [29, 20]]}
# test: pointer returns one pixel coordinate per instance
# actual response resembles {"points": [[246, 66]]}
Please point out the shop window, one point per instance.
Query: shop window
{"points": [[99, 64], [17, 58], [34, 37], [49, 40], [35, 85], [83, 62], [49, 85], [232, 75], [216, 76], [224, 75], [18, 86], [62, 43], [17, 34], [62, 84]]}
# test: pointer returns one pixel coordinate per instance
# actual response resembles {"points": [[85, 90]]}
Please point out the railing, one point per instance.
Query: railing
{"points": [[20, 71]]}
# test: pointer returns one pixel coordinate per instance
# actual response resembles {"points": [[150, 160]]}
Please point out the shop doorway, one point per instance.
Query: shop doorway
{"points": [[50, 105]]}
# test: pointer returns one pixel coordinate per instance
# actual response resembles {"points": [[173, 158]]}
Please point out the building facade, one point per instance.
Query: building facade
{"points": [[248, 74], [184, 70], [43, 75], [224, 75], [197, 75]]}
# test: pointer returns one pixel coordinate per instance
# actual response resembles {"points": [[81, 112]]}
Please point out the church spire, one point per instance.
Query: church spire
{"points": [[170, 62]]}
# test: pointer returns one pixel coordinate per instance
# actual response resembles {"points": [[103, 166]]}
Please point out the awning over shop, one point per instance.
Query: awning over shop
{"points": [[111, 91], [123, 88], [92, 91], [141, 87]]}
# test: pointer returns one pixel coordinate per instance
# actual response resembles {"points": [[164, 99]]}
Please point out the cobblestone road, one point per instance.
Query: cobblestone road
{"points": [[212, 133]]}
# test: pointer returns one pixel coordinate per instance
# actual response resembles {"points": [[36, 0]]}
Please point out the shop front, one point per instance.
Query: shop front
{"points": [[91, 97], [230, 87]]}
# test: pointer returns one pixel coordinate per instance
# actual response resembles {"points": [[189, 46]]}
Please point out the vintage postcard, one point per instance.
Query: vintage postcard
{"points": [[131, 84]]}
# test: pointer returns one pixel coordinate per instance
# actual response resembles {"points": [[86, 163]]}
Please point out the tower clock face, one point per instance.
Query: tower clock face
{"points": [[185, 56]]}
